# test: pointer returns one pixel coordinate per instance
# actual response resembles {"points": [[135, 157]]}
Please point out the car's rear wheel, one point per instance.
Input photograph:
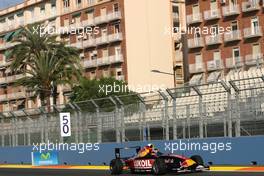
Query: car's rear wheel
{"points": [[199, 162], [159, 167], [198, 159], [116, 167]]}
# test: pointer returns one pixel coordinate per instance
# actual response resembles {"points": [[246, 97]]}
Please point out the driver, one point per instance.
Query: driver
{"points": [[147, 150]]}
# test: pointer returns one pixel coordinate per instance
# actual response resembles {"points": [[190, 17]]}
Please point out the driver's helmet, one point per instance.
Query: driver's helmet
{"points": [[151, 146]]}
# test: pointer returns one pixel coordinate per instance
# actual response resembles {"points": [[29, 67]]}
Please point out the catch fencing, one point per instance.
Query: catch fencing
{"points": [[222, 109]]}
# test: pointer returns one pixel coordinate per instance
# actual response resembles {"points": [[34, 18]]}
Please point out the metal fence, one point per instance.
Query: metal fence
{"points": [[223, 109]]}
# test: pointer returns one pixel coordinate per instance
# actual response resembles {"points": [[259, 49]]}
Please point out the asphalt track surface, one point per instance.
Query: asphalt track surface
{"points": [[58, 172]]}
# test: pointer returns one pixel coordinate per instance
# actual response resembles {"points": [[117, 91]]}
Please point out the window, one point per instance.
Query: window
{"points": [[234, 25], [195, 9], [116, 7], [198, 59], [233, 2], [42, 9], [66, 22], [116, 28], [255, 49], [236, 53], [105, 52], [118, 51], [104, 32], [215, 30], [78, 3], [213, 5], [90, 13], [66, 4], [90, 2], [217, 56], [254, 25], [103, 11]]}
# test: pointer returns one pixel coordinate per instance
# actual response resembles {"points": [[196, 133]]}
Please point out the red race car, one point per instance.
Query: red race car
{"points": [[149, 159]]}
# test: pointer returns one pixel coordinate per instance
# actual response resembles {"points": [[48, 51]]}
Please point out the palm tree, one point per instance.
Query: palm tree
{"points": [[46, 61]]}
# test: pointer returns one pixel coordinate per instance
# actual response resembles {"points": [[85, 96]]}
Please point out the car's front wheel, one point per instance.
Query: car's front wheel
{"points": [[116, 167], [199, 162], [159, 167]]}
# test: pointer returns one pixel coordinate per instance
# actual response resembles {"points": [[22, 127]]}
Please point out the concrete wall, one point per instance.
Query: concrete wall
{"points": [[243, 151]]}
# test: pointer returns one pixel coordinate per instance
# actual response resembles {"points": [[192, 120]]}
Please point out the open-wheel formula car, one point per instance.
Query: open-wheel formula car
{"points": [[154, 162]]}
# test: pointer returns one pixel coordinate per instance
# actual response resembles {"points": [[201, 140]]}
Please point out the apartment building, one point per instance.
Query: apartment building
{"points": [[235, 43], [127, 41], [179, 53]]}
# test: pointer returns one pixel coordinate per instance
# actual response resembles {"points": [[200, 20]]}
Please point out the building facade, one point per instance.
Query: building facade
{"points": [[125, 39], [235, 43]]}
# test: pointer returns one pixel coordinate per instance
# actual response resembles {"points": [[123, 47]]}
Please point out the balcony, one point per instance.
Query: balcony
{"points": [[215, 65], [231, 10], [234, 62], [103, 61], [115, 37], [213, 39], [102, 40], [16, 95], [101, 19], [114, 16], [89, 43], [254, 59], [250, 5], [194, 18], [120, 77], [78, 45], [90, 63], [89, 22], [195, 42], [212, 14], [252, 32], [196, 68], [232, 36], [116, 59]]}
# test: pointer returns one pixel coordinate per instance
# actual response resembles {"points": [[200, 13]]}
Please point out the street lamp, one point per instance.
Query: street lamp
{"points": [[165, 73]]}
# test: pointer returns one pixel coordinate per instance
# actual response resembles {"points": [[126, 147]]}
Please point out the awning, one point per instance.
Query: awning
{"points": [[213, 77], [17, 32], [196, 79], [76, 14], [8, 36]]}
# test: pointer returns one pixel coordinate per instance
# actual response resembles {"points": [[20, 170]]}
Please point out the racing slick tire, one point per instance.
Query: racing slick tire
{"points": [[159, 167], [116, 167], [198, 159], [199, 162]]}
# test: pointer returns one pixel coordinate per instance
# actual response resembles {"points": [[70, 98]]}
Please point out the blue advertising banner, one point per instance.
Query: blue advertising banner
{"points": [[45, 158]]}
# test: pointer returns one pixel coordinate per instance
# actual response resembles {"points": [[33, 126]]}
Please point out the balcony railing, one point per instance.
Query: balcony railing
{"points": [[232, 36], [102, 40], [116, 59], [114, 16], [120, 77], [234, 62], [252, 32], [89, 22], [115, 37], [231, 10], [16, 95], [214, 65], [103, 61], [213, 39], [194, 18], [90, 63], [195, 42], [212, 14], [89, 43], [101, 19], [250, 5], [254, 59], [78, 45], [196, 68]]}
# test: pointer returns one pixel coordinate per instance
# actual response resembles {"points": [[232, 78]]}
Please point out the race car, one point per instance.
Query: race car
{"points": [[148, 159]]}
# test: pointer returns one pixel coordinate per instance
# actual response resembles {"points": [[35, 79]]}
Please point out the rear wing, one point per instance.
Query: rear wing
{"points": [[117, 150]]}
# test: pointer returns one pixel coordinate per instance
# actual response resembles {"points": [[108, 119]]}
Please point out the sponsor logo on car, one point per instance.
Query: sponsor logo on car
{"points": [[142, 164]]}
